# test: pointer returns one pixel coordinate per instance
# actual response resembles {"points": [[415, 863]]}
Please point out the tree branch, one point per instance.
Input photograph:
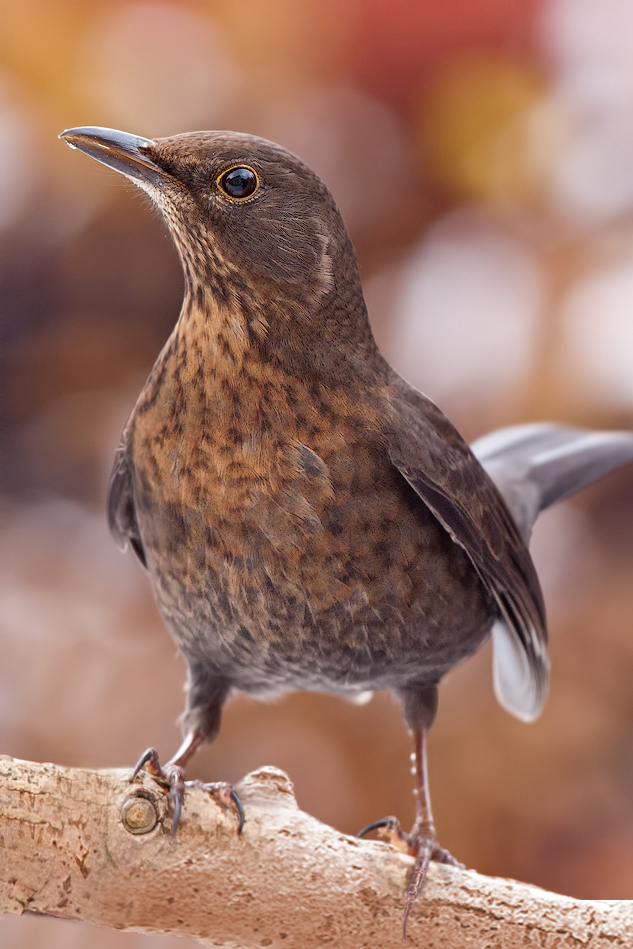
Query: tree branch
{"points": [[67, 848]]}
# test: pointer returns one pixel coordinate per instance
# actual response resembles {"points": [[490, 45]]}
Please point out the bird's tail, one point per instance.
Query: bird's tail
{"points": [[534, 466]]}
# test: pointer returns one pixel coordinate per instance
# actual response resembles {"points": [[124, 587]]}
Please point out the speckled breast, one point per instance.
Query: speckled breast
{"points": [[327, 582]]}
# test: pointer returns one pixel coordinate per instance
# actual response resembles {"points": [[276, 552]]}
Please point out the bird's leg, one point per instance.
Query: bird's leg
{"points": [[172, 775], [421, 842]]}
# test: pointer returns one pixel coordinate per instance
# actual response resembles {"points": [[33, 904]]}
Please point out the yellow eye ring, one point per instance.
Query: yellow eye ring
{"points": [[238, 183]]}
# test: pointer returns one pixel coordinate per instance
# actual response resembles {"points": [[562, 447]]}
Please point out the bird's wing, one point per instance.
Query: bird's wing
{"points": [[537, 465], [121, 511], [437, 463]]}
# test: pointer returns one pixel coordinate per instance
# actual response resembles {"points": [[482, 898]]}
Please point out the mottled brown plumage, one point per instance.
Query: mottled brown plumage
{"points": [[307, 519]]}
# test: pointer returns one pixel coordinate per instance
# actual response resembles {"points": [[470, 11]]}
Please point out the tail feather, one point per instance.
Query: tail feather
{"points": [[534, 466]]}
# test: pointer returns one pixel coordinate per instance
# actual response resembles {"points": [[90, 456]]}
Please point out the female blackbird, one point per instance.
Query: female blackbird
{"points": [[307, 519]]}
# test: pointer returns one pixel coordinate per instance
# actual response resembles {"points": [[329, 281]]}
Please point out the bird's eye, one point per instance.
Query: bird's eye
{"points": [[238, 182]]}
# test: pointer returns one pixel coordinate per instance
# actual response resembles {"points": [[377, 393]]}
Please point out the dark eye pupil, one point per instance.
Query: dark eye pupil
{"points": [[239, 183]]}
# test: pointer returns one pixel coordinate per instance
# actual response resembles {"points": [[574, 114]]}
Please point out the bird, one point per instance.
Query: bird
{"points": [[308, 519]]}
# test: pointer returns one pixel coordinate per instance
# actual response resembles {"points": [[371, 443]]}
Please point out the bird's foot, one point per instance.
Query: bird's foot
{"points": [[421, 843], [172, 776]]}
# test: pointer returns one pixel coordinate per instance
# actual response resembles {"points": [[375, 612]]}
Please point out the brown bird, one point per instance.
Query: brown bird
{"points": [[308, 520]]}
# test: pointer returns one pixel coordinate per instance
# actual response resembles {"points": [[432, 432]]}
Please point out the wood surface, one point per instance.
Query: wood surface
{"points": [[67, 850]]}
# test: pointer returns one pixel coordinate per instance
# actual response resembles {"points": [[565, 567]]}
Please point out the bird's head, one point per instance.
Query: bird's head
{"points": [[249, 218]]}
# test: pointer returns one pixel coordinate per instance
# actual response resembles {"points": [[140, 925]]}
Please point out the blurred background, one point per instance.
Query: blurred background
{"points": [[482, 155]]}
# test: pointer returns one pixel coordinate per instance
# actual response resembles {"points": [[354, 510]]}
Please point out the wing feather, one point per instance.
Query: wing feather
{"points": [[121, 510], [437, 463]]}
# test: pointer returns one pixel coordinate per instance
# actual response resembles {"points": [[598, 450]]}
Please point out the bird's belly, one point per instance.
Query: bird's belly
{"points": [[328, 573], [329, 615]]}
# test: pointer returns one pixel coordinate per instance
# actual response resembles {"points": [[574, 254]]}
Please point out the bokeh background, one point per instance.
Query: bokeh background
{"points": [[482, 154]]}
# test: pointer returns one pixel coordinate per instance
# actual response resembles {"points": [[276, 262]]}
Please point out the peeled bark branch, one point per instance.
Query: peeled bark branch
{"points": [[67, 849]]}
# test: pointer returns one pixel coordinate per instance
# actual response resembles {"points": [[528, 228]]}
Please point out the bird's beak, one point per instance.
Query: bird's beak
{"points": [[119, 150]]}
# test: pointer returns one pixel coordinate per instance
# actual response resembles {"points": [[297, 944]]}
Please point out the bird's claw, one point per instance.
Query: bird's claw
{"points": [[227, 797], [150, 761], [421, 844], [390, 828]]}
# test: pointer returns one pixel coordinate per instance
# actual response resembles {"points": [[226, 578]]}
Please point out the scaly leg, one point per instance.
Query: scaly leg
{"points": [[421, 842]]}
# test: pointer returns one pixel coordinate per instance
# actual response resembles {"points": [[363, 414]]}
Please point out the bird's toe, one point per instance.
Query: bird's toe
{"points": [[440, 855], [391, 830], [150, 762], [227, 797]]}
